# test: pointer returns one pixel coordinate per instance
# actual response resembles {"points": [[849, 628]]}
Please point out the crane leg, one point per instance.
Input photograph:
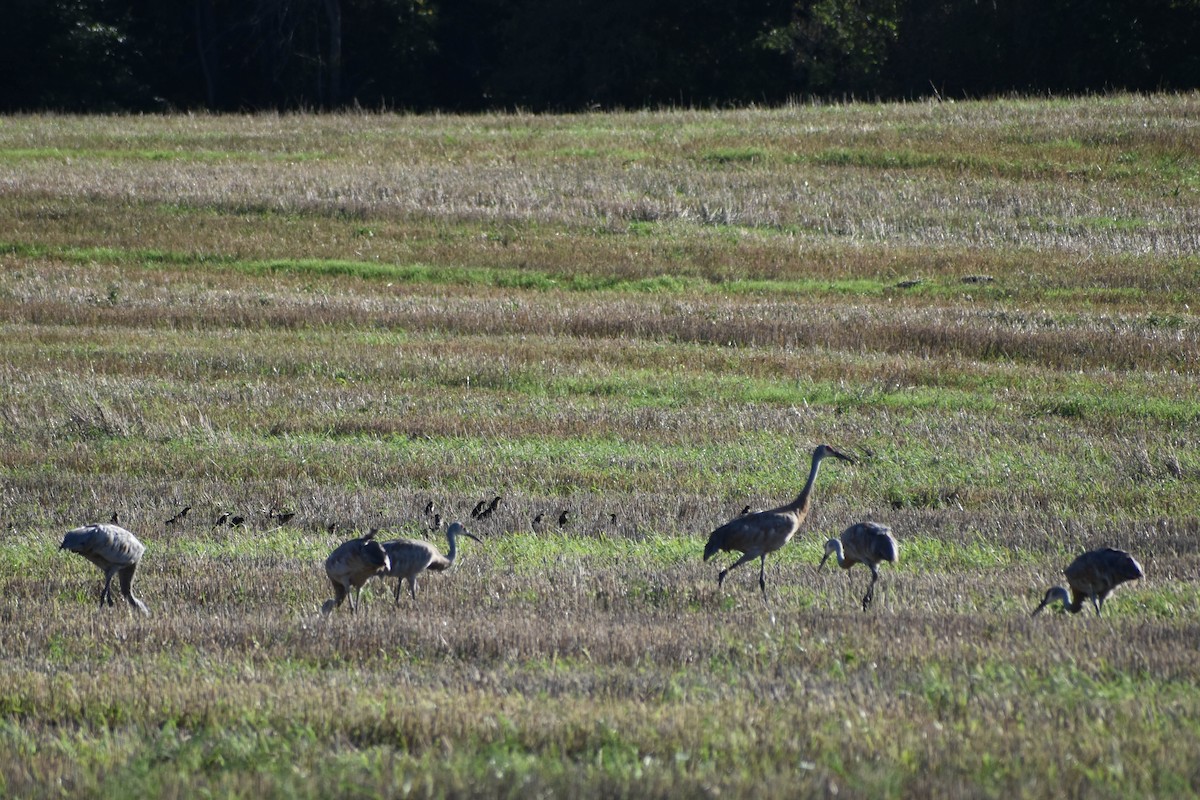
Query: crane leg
{"points": [[106, 592], [870, 595], [762, 576], [412, 588], [734, 565]]}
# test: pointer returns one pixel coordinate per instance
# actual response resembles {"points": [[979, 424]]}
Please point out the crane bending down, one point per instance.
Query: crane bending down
{"points": [[1093, 576], [755, 535], [410, 557], [863, 543], [350, 565], [117, 553]]}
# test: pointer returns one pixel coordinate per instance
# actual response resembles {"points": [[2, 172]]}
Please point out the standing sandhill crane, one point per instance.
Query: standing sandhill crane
{"points": [[1093, 575], [115, 551], [863, 543], [352, 564], [754, 535], [410, 557]]}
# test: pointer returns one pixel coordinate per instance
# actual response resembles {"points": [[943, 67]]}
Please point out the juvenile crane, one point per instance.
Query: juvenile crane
{"points": [[352, 564], [410, 557], [1093, 576], [863, 543], [115, 551], [762, 532]]}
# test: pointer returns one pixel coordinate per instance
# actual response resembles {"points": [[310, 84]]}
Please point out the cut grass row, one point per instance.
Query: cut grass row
{"points": [[648, 315]]}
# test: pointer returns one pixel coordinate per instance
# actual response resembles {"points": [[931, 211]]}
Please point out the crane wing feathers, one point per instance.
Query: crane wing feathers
{"points": [[761, 532], [104, 542], [411, 556], [869, 542]]}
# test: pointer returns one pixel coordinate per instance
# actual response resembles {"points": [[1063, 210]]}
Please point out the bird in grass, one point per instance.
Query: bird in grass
{"points": [[863, 543], [410, 557], [487, 512], [179, 516], [564, 518], [756, 534], [1093, 576], [117, 553], [350, 565], [115, 519], [275, 514], [221, 519]]}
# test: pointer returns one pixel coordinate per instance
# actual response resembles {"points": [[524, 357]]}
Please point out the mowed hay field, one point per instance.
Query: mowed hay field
{"points": [[647, 319]]}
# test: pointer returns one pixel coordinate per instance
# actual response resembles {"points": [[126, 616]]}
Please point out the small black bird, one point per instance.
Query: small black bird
{"points": [[179, 516], [482, 504], [429, 508], [487, 512], [236, 521], [114, 519], [221, 520], [562, 518]]}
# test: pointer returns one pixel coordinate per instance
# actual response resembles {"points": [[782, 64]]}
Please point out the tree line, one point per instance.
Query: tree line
{"points": [[470, 55]]}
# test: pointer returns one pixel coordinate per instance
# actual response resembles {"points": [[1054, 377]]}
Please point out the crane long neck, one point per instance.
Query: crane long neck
{"points": [[802, 500], [840, 553], [453, 546]]}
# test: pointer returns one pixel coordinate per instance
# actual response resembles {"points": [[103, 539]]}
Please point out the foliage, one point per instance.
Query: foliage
{"points": [[537, 54]]}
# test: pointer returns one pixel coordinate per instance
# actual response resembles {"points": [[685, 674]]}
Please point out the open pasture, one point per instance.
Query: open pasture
{"points": [[649, 320]]}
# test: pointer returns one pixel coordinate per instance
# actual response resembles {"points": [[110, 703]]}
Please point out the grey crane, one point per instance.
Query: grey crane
{"points": [[350, 565], [756, 534], [1093, 575], [115, 551], [410, 557], [863, 543]]}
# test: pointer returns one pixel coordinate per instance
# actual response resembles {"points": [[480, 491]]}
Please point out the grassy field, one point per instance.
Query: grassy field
{"points": [[648, 319]]}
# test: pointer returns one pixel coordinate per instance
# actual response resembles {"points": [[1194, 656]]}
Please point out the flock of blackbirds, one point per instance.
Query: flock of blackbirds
{"points": [[754, 534]]}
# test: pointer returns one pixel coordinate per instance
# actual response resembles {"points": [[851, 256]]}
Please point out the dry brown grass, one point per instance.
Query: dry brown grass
{"points": [[350, 316]]}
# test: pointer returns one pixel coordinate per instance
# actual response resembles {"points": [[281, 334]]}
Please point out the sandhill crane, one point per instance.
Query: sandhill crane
{"points": [[352, 564], [115, 551], [1093, 575], [863, 543], [757, 534], [410, 557]]}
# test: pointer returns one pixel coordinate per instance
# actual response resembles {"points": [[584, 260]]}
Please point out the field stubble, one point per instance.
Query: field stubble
{"points": [[647, 320]]}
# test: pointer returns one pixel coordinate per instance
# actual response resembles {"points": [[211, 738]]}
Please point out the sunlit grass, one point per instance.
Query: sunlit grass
{"points": [[645, 320]]}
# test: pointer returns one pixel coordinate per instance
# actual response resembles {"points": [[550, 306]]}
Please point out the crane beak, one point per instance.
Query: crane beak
{"points": [[472, 536], [823, 560]]}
